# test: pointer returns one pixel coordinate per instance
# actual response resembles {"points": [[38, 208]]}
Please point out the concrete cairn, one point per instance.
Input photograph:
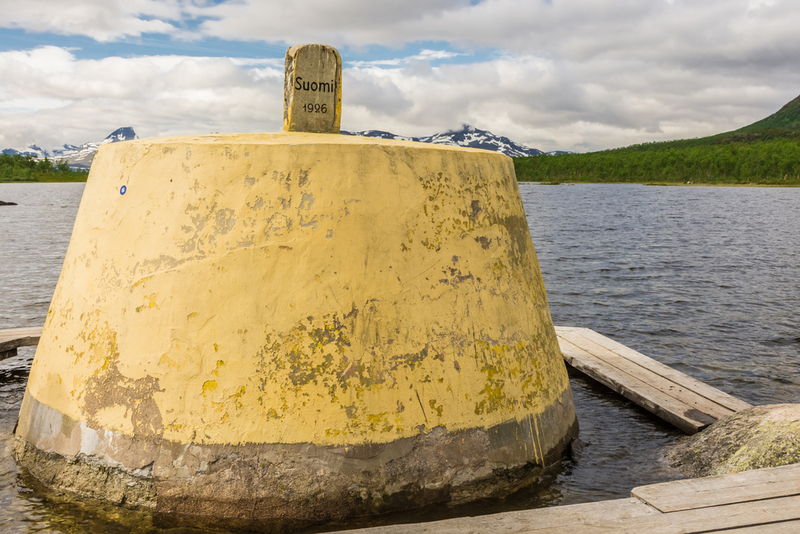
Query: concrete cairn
{"points": [[274, 330]]}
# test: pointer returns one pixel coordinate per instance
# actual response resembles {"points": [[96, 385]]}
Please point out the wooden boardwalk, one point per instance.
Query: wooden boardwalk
{"points": [[763, 501], [673, 396], [12, 338]]}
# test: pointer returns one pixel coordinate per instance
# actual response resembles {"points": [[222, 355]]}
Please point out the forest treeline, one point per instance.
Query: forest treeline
{"points": [[26, 168], [765, 152], [770, 161]]}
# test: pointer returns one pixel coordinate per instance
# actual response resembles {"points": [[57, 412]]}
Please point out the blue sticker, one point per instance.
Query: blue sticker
{"points": [[122, 190]]}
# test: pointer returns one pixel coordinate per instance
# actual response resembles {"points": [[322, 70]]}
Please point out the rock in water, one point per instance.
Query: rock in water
{"points": [[3, 203], [762, 436]]}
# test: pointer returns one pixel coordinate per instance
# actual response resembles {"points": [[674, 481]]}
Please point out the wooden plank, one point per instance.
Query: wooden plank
{"points": [[669, 380], [784, 527], [32, 331], [720, 397], [667, 387], [617, 517], [759, 514], [12, 338], [748, 486], [557, 517], [655, 401]]}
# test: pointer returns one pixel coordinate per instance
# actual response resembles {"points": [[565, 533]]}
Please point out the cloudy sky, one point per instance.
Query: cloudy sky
{"points": [[576, 75]]}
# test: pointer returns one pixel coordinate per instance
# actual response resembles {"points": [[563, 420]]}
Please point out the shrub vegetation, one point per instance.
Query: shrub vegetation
{"points": [[26, 168]]}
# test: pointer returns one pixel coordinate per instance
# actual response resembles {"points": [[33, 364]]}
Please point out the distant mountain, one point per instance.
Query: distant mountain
{"points": [[30, 150], [467, 136], [786, 120], [78, 157]]}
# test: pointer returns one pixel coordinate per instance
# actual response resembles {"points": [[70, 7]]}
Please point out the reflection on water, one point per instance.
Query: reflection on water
{"points": [[703, 279]]}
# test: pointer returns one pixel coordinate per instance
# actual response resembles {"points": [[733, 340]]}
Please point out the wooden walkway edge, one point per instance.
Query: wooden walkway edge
{"points": [[673, 396], [12, 338], [763, 501]]}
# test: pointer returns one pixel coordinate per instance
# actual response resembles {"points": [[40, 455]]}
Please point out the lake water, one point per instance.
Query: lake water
{"points": [[704, 279]]}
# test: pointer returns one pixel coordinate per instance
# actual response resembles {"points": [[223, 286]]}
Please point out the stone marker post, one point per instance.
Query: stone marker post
{"points": [[312, 90]]}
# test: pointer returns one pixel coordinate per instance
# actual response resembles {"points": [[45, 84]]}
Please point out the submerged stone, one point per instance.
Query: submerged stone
{"points": [[275, 330], [759, 437]]}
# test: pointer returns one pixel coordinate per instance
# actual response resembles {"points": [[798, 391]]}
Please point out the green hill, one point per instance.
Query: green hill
{"points": [[766, 152], [786, 121]]}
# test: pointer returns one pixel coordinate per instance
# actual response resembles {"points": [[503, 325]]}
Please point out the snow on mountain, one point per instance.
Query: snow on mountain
{"points": [[467, 136], [78, 157], [125, 133], [30, 150], [83, 155], [381, 134]]}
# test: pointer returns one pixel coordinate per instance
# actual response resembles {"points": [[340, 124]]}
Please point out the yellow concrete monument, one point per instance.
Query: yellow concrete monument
{"points": [[292, 328]]}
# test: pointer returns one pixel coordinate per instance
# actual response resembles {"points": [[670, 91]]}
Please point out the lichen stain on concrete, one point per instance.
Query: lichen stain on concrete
{"points": [[149, 302], [315, 365]]}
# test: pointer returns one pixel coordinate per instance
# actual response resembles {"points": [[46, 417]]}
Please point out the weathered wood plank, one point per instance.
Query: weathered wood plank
{"points": [[28, 335], [717, 518], [752, 485], [23, 330], [12, 338], [558, 517], [720, 397], [650, 377], [648, 397], [623, 516], [759, 516], [784, 527]]}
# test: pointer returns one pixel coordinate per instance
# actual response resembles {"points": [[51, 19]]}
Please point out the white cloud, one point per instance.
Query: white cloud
{"points": [[103, 20], [424, 55], [30, 104], [551, 104], [579, 75], [50, 97]]}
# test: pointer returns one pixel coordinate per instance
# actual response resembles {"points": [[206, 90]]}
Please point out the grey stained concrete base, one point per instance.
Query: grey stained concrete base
{"points": [[278, 487], [85, 477]]}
